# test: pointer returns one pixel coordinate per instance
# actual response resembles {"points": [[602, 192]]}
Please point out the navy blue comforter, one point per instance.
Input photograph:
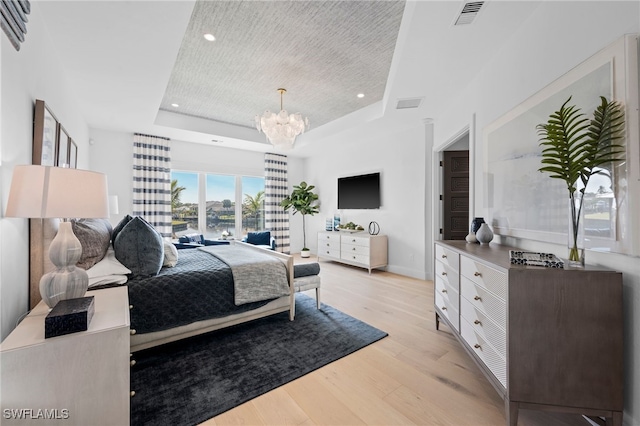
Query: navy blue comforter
{"points": [[199, 287]]}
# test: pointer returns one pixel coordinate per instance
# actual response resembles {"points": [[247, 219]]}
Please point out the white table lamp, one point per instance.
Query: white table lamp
{"points": [[56, 192]]}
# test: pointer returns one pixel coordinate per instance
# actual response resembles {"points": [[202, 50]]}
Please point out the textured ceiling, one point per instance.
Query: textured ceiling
{"points": [[323, 52]]}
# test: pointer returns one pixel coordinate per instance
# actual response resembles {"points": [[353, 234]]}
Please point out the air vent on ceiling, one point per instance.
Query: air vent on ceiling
{"points": [[409, 103], [469, 12]]}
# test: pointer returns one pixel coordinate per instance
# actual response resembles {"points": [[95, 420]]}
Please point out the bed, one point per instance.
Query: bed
{"points": [[195, 296]]}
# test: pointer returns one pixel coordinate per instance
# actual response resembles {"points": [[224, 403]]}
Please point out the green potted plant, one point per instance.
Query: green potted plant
{"points": [[576, 148], [304, 201]]}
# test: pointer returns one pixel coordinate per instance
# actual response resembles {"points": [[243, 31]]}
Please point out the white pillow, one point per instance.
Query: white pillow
{"points": [[109, 265], [170, 254], [107, 279]]}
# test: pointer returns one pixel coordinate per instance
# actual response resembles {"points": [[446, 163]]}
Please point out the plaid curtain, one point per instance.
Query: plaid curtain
{"points": [[152, 181], [276, 188]]}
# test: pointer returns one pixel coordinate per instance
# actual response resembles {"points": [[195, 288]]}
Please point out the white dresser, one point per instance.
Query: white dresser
{"points": [[545, 338], [356, 249], [75, 379]]}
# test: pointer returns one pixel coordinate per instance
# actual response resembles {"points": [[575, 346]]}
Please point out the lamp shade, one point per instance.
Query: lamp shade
{"points": [[57, 192]]}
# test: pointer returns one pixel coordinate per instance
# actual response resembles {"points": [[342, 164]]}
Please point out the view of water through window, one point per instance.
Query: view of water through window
{"points": [[231, 205]]}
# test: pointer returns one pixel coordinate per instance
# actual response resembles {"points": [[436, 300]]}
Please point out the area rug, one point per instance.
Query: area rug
{"points": [[188, 382]]}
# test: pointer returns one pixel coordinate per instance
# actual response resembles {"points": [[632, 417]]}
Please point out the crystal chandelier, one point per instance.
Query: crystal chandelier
{"points": [[281, 129]]}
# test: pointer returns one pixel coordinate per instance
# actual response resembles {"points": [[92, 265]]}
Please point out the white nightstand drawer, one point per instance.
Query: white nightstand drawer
{"points": [[485, 351], [358, 241], [481, 274], [448, 257], [449, 310], [447, 274], [494, 307], [484, 326]]}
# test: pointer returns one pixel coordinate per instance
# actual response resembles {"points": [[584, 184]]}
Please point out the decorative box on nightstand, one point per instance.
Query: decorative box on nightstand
{"points": [[80, 378]]}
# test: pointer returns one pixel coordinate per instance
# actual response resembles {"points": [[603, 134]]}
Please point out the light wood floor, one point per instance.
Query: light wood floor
{"points": [[416, 375]]}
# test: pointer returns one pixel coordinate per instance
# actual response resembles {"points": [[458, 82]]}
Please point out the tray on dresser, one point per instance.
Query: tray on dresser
{"points": [[529, 258]]}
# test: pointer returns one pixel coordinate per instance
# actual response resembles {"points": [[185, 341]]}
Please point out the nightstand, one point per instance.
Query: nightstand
{"points": [[80, 378]]}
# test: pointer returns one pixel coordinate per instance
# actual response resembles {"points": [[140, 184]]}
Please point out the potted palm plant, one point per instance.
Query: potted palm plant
{"points": [[304, 201], [576, 148]]}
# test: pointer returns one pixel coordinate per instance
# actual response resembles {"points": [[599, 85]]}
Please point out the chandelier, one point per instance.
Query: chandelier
{"points": [[281, 129]]}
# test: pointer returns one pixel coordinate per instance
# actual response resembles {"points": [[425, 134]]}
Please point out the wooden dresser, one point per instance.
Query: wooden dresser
{"points": [[357, 249], [547, 339]]}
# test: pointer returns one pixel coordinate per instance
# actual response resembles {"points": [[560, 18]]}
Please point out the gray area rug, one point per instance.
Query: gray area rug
{"points": [[190, 381]]}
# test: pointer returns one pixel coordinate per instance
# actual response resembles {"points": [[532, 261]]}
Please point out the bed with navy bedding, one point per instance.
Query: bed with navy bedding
{"points": [[194, 295]]}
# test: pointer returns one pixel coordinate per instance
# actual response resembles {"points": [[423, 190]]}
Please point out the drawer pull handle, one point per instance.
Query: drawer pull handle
{"points": [[132, 394], [354, 257], [444, 256], [130, 307], [132, 332], [477, 346], [444, 308], [477, 322], [328, 245], [477, 274], [354, 249], [132, 362], [444, 274], [353, 241], [477, 298], [444, 290], [327, 251]]}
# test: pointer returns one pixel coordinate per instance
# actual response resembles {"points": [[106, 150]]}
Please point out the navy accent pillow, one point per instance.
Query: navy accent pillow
{"points": [[139, 247], [191, 238], [259, 238], [306, 269], [118, 228]]}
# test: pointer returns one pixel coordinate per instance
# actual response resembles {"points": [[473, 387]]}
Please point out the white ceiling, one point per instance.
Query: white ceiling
{"points": [[129, 60]]}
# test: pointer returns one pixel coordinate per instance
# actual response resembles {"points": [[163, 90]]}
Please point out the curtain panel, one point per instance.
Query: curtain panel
{"points": [[152, 181], [276, 188]]}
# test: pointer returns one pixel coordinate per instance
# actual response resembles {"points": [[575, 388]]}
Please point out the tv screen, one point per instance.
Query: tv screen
{"points": [[359, 192]]}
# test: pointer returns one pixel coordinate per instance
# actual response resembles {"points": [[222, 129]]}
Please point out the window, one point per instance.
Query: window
{"points": [[184, 203], [232, 204]]}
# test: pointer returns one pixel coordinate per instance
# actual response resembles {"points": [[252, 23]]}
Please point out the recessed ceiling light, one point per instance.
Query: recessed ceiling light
{"points": [[209, 37], [175, 105], [361, 95]]}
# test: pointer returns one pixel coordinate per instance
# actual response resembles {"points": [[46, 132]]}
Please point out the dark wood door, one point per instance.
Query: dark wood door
{"points": [[456, 195]]}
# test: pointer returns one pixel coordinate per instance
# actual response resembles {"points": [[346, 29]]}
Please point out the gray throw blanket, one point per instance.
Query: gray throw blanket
{"points": [[256, 276]]}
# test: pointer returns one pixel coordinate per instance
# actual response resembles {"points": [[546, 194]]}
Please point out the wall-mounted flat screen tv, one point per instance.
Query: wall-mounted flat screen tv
{"points": [[359, 192]]}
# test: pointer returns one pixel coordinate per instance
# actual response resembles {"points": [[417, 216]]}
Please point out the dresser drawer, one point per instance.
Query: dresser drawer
{"points": [[357, 241], [327, 252], [353, 249], [447, 274], [448, 257], [496, 363], [481, 274], [329, 236], [484, 326], [358, 258], [449, 310], [447, 292], [328, 245], [485, 301]]}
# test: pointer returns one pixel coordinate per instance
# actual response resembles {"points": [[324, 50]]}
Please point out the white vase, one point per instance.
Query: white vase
{"points": [[471, 237], [484, 234]]}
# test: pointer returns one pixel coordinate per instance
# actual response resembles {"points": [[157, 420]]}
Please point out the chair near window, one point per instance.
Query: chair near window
{"points": [[261, 239], [197, 240]]}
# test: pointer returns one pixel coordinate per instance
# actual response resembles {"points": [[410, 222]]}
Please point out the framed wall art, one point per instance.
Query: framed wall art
{"points": [[62, 147], [45, 129], [73, 154]]}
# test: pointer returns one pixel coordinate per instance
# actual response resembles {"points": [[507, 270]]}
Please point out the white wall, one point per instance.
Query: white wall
{"points": [[556, 38], [32, 73], [398, 151]]}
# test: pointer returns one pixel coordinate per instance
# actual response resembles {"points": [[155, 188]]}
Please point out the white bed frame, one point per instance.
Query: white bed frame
{"points": [[42, 232]]}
